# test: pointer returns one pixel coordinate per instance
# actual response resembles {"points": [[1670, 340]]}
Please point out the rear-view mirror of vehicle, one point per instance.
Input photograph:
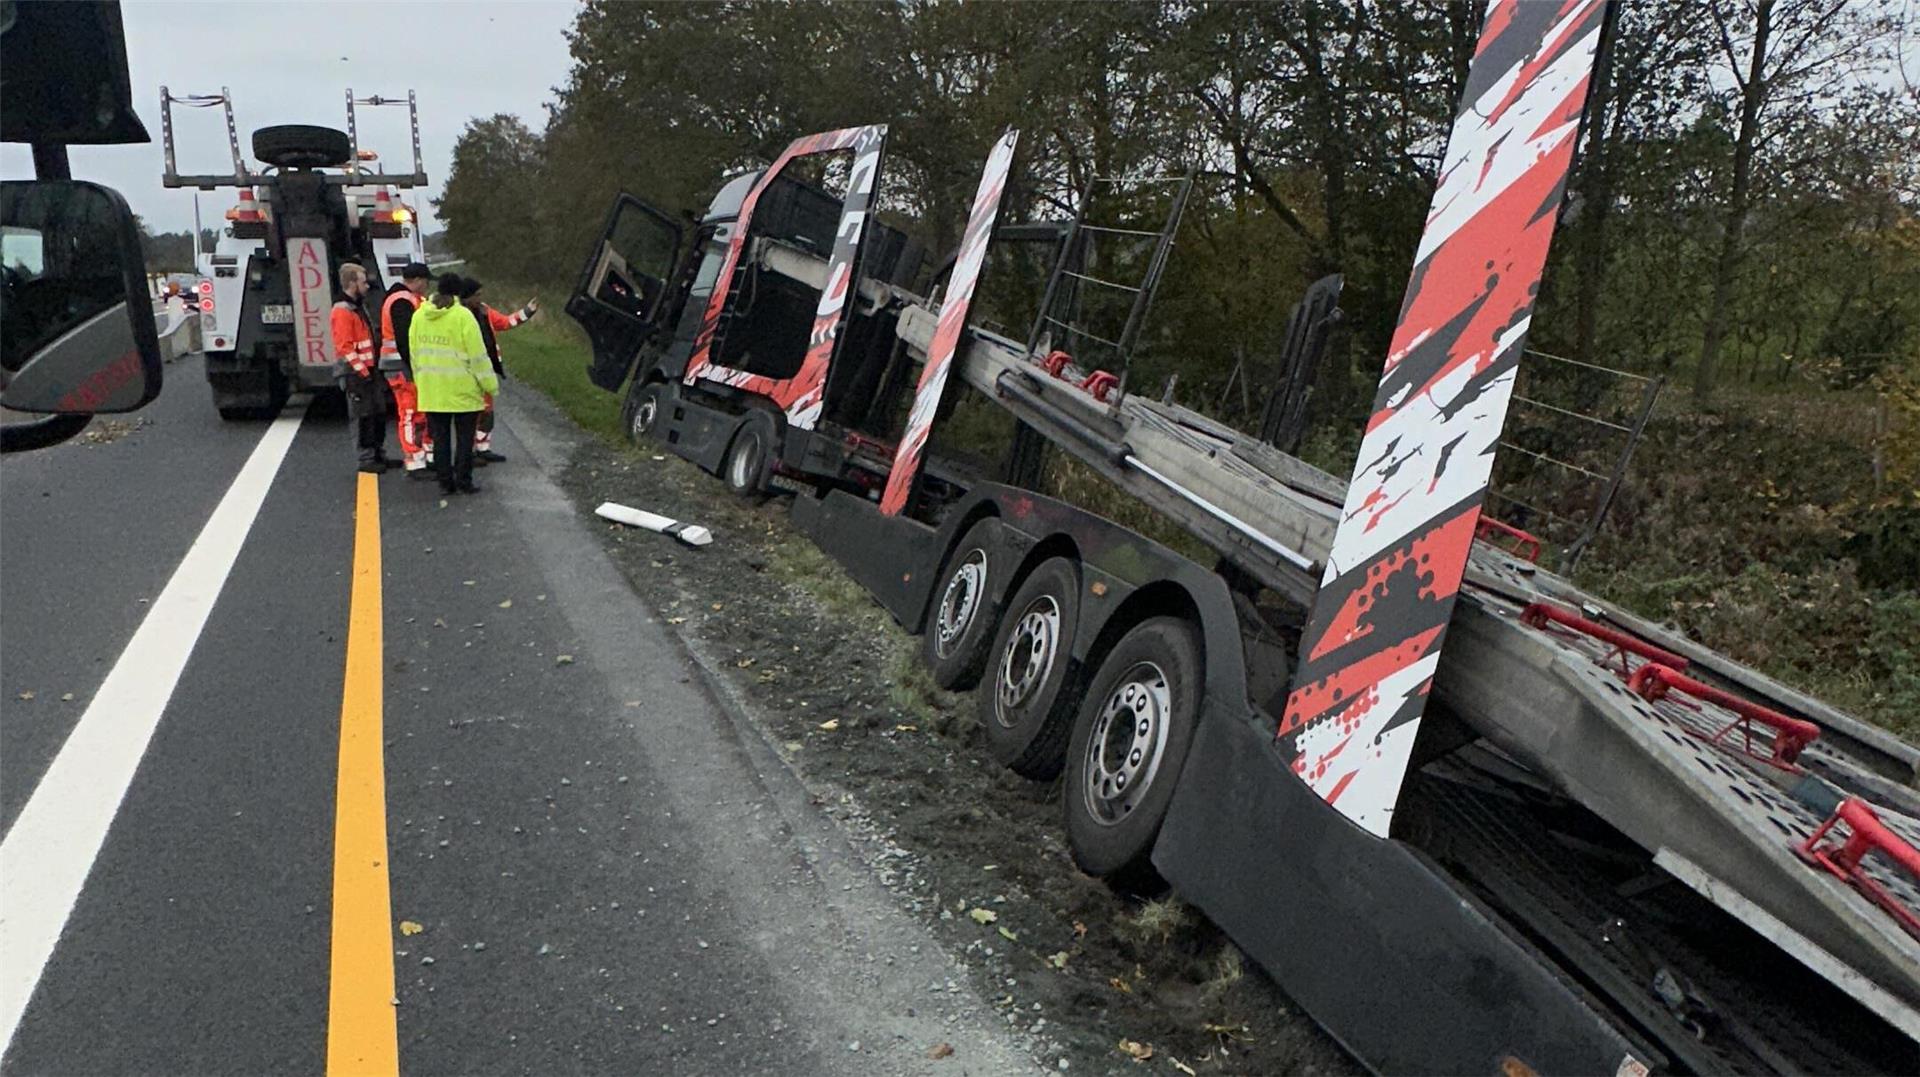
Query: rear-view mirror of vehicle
{"points": [[77, 332]]}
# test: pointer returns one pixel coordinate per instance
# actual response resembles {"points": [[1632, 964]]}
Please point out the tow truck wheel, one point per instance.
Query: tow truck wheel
{"points": [[643, 411], [1130, 740], [749, 458], [300, 145], [1021, 705], [960, 625]]}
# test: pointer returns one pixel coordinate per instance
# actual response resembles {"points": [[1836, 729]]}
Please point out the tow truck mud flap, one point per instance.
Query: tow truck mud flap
{"points": [[889, 553], [1367, 936]]}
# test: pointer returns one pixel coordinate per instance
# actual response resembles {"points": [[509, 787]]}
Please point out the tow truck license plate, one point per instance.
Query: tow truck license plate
{"points": [[276, 314]]}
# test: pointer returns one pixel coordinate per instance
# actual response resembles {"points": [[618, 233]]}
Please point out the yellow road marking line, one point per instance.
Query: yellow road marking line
{"points": [[362, 1034]]}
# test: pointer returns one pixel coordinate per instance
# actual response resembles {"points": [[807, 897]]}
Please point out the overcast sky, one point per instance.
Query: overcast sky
{"points": [[292, 63]]}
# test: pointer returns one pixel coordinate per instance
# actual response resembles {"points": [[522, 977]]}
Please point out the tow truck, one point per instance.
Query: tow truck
{"points": [[1469, 816], [266, 287]]}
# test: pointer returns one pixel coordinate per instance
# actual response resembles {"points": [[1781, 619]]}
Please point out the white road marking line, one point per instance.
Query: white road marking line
{"points": [[47, 855]]}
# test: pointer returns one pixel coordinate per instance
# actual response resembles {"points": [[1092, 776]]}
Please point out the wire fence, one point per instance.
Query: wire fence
{"points": [[1570, 438]]}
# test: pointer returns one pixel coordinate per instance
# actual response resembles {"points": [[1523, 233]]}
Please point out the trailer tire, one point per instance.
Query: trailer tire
{"points": [[1022, 705], [300, 145], [749, 458], [1116, 800], [961, 624]]}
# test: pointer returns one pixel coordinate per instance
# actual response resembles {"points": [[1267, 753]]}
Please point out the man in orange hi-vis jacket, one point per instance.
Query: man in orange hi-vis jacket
{"points": [[353, 354], [396, 313]]}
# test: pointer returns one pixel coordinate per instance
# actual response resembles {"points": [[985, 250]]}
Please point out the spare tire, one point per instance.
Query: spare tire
{"points": [[299, 145]]}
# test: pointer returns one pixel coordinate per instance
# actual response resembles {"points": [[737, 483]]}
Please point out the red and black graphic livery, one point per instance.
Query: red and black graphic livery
{"points": [[1373, 642], [801, 395]]}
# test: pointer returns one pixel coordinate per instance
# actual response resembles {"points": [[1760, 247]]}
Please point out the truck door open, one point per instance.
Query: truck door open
{"points": [[623, 285]]}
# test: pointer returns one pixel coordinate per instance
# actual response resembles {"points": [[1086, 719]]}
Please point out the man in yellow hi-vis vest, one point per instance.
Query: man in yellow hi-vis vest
{"points": [[453, 377]]}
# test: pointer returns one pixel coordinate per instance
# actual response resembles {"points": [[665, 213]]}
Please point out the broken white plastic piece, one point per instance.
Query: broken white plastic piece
{"points": [[691, 534]]}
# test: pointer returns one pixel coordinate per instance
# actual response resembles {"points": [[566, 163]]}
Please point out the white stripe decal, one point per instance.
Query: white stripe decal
{"points": [[47, 855]]}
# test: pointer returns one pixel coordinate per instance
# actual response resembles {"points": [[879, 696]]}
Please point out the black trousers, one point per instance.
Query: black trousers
{"points": [[453, 447], [368, 405]]}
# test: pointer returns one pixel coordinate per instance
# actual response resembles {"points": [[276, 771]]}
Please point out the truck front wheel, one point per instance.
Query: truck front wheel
{"points": [[643, 410], [749, 459], [1130, 740], [1021, 705]]}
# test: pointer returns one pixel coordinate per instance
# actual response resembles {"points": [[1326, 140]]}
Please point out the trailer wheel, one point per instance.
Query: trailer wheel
{"points": [[643, 411], [1021, 706], [961, 623], [749, 458], [1135, 724], [300, 145]]}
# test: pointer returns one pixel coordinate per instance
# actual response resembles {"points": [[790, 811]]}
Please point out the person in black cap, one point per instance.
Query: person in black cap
{"points": [[492, 323], [396, 313], [454, 380]]}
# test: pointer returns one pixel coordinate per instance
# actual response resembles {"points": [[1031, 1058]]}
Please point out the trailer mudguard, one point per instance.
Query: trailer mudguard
{"points": [[1368, 936]]}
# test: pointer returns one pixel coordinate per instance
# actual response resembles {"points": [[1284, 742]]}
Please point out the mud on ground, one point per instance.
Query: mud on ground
{"points": [[1101, 983]]}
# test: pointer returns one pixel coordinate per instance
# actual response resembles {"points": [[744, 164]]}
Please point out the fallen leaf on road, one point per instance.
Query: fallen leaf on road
{"points": [[507, 605], [633, 703], [940, 1050], [408, 927], [1058, 960], [984, 916], [66, 697], [719, 605], [1120, 985], [745, 663], [26, 695], [1136, 1050], [1008, 935], [1079, 930], [439, 622], [676, 620], [830, 724], [467, 583], [1181, 1066], [563, 660], [906, 729]]}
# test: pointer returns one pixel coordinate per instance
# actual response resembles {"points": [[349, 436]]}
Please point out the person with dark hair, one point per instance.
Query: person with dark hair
{"points": [[453, 377], [492, 324], [396, 311]]}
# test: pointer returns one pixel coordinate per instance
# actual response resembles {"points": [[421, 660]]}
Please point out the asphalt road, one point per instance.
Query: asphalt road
{"points": [[609, 872]]}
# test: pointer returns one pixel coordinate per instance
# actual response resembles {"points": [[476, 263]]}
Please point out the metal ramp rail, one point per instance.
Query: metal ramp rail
{"points": [[1557, 702]]}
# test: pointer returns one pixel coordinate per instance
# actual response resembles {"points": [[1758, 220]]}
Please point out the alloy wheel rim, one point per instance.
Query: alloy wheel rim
{"points": [[960, 602], [1128, 742], [1029, 657]]}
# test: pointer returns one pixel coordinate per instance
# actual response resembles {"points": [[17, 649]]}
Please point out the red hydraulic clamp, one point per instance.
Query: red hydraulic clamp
{"points": [[1055, 364], [1865, 833], [1790, 735], [1538, 614], [1100, 383], [1524, 544]]}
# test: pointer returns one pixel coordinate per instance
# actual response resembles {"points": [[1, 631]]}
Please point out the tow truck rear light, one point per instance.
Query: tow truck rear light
{"points": [[205, 288], [206, 304]]}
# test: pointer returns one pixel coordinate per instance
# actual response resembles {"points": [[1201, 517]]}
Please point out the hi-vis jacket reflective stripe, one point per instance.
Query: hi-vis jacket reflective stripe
{"points": [[450, 367], [352, 337], [395, 315]]}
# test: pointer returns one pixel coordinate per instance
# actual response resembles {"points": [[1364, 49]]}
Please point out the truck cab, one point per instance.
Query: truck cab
{"points": [[720, 337]]}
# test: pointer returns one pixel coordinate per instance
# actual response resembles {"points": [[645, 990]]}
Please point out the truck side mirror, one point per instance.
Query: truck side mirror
{"points": [[77, 331]]}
